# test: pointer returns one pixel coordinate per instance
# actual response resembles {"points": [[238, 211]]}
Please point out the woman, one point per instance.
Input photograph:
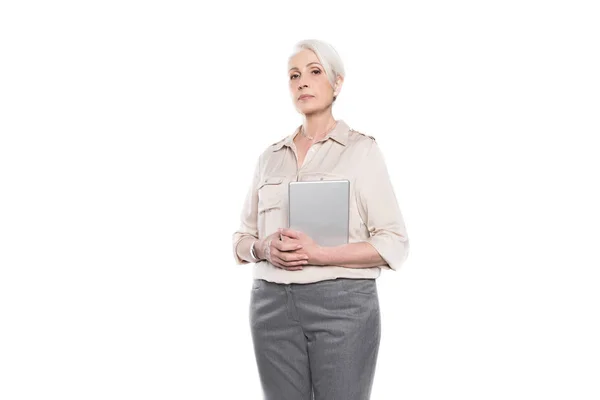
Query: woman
{"points": [[314, 311]]}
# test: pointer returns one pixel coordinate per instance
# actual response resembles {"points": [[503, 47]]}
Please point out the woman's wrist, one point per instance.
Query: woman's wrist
{"points": [[322, 255], [253, 251], [258, 250]]}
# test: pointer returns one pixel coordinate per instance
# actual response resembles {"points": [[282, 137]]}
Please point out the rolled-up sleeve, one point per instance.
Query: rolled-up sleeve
{"points": [[377, 201], [248, 218]]}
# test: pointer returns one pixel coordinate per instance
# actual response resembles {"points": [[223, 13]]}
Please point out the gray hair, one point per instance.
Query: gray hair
{"points": [[327, 55]]}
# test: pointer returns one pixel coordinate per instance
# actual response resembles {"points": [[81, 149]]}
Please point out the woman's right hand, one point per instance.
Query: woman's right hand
{"points": [[281, 253]]}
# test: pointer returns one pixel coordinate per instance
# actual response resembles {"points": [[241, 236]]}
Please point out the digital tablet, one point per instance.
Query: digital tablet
{"points": [[321, 209]]}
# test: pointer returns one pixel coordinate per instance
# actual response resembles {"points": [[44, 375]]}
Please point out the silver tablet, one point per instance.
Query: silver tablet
{"points": [[321, 210]]}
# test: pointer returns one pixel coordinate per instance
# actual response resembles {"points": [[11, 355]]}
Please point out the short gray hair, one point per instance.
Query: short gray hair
{"points": [[327, 55]]}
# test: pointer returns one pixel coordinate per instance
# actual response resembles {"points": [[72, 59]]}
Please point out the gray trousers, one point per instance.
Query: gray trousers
{"points": [[317, 340]]}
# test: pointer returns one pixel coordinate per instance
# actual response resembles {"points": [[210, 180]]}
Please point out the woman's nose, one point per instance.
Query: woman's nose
{"points": [[302, 85]]}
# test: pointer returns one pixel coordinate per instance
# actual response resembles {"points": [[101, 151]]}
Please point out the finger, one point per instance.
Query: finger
{"points": [[299, 263], [290, 233], [292, 263], [289, 256], [290, 245], [282, 266], [277, 245]]}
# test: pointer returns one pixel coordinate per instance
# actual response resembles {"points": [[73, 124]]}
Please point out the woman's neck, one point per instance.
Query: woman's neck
{"points": [[317, 126]]}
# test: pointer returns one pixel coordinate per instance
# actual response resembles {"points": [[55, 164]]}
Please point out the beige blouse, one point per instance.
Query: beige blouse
{"points": [[375, 215]]}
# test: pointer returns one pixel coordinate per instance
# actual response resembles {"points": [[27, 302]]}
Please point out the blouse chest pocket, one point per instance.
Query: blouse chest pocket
{"points": [[270, 204]]}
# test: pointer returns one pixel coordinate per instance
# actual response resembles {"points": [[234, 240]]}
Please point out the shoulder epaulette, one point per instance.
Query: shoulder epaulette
{"points": [[364, 134], [277, 142]]}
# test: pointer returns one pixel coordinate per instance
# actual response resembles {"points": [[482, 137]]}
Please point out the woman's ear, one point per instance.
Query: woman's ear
{"points": [[338, 85]]}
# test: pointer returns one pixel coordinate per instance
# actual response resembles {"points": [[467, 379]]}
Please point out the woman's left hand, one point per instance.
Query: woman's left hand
{"points": [[309, 246]]}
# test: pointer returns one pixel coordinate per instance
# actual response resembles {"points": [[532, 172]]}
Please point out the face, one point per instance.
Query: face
{"points": [[309, 87]]}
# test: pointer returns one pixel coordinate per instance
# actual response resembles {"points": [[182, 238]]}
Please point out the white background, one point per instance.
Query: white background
{"points": [[128, 135]]}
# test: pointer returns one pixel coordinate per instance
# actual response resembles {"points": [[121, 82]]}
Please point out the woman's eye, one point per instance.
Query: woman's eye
{"points": [[317, 71]]}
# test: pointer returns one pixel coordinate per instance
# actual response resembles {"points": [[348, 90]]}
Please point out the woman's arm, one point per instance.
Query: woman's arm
{"points": [[242, 251], [248, 229], [380, 211], [352, 255]]}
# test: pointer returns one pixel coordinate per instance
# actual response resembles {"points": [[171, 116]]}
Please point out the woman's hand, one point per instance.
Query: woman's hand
{"points": [[310, 248], [281, 253]]}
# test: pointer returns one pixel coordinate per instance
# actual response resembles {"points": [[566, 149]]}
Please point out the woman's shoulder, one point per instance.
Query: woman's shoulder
{"points": [[360, 138], [269, 150], [277, 145], [285, 140]]}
